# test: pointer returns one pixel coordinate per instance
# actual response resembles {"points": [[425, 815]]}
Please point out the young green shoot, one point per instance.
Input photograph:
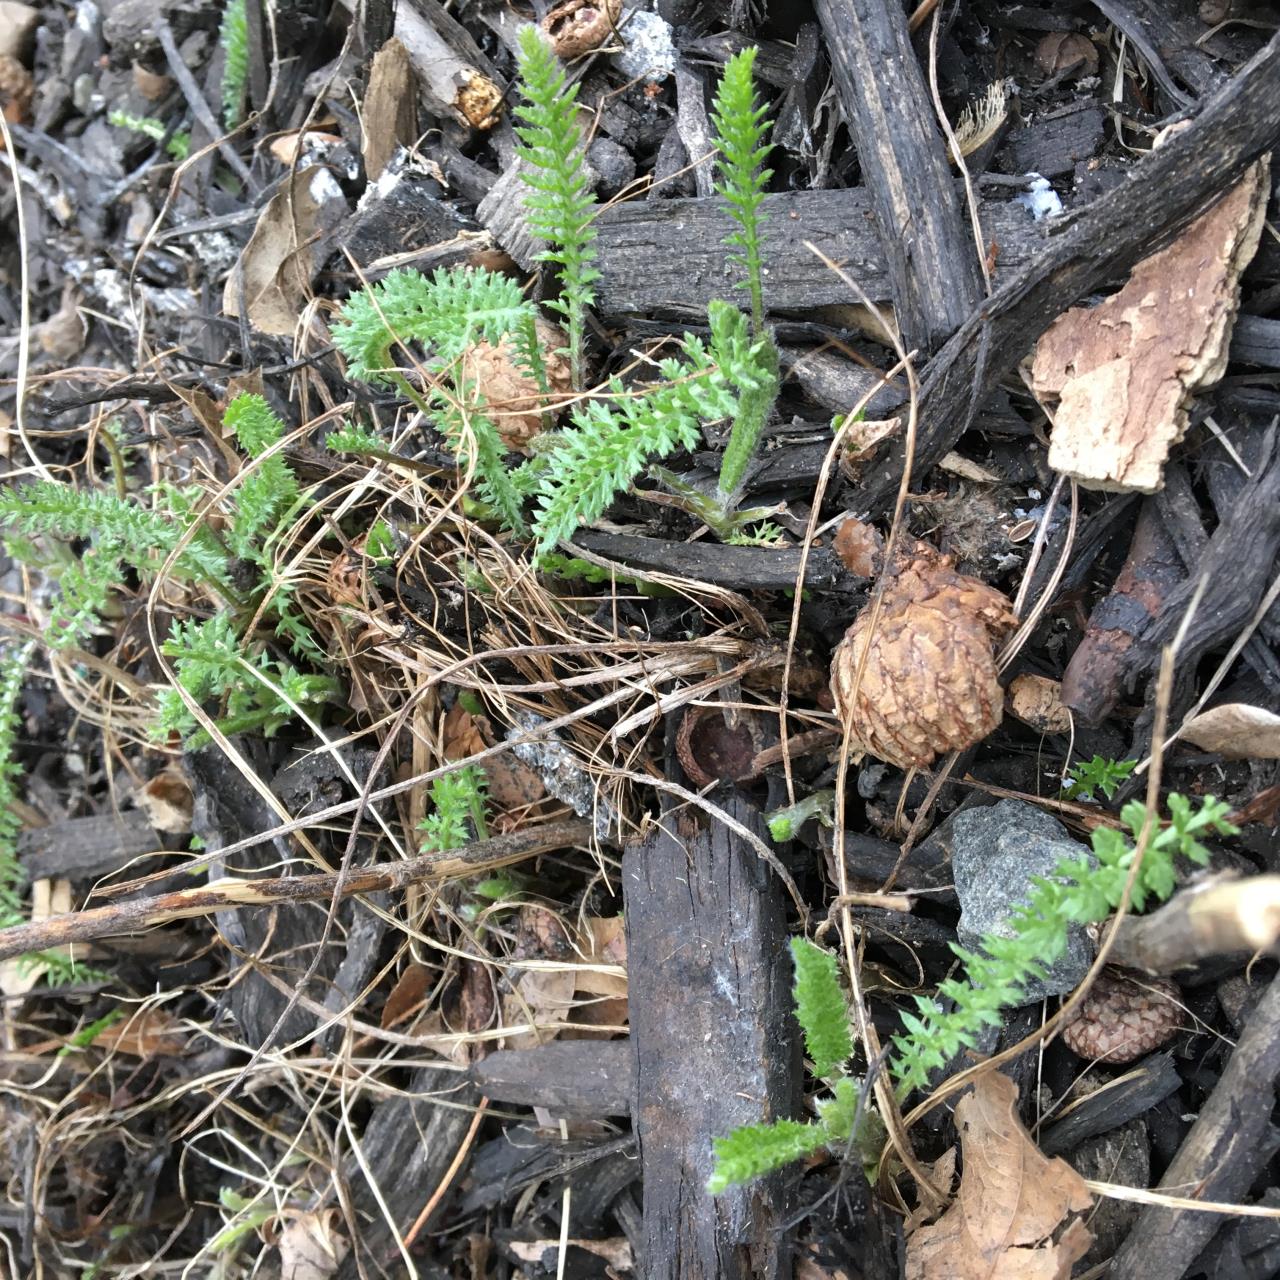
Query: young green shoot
{"points": [[560, 206]]}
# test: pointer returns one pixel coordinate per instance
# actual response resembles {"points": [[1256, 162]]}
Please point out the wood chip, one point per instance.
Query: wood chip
{"points": [[389, 116]]}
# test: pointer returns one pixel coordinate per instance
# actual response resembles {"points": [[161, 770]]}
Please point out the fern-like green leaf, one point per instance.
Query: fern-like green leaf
{"points": [[820, 1008], [233, 35], [615, 439], [446, 312], [560, 206], [740, 132], [140, 537], [271, 488], [758, 1149]]}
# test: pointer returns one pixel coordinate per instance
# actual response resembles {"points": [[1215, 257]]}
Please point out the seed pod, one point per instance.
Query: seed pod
{"points": [[929, 683], [1123, 1018]]}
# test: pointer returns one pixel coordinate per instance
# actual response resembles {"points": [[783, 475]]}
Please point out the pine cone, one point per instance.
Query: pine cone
{"points": [[17, 89], [1123, 1018], [930, 683]]}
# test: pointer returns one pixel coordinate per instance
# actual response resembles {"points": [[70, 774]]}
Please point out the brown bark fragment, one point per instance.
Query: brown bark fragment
{"points": [[1123, 372]]}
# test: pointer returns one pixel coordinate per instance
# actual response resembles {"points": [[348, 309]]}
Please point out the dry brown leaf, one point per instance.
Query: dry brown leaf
{"points": [[150, 1034], [542, 996], [606, 944], [1123, 372], [1011, 1200], [289, 146], [1236, 730], [311, 1246], [1037, 701], [284, 252], [390, 119], [512, 785], [407, 995]]}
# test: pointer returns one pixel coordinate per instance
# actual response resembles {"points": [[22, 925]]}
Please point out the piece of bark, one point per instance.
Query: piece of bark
{"points": [[1123, 373], [389, 119], [1093, 681], [577, 1079], [694, 126], [1162, 193], [1237, 568], [85, 848], [1227, 1147], [1114, 1104], [668, 256], [714, 1040], [930, 252], [406, 1148], [741, 568]]}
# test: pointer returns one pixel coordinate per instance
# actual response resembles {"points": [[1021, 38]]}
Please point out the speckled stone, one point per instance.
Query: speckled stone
{"points": [[995, 853]]}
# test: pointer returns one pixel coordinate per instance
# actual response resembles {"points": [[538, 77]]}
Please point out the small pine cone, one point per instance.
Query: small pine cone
{"points": [[1123, 1017], [930, 683]]}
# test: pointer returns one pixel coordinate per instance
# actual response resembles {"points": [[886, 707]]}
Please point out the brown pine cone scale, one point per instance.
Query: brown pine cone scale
{"points": [[1123, 1018]]}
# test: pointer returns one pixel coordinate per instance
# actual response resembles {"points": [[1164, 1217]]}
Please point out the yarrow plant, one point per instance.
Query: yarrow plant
{"points": [[997, 976], [614, 435]]}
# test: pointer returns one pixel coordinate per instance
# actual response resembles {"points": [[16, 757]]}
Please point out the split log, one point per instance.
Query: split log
{"points": [[714, 1042], [928, 248]]}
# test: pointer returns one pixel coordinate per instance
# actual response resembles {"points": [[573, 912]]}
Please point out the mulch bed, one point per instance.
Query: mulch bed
{"points": [[512, 1062]]}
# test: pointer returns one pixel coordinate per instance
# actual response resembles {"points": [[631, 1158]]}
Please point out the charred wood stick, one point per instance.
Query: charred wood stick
{"points": [[1162, 193], [579, 1079], [1091, 684], [231, 893], [1237, 567], [1218, 918], [741, 568], [714, 1044], [1225, 1150], [929, 251]]}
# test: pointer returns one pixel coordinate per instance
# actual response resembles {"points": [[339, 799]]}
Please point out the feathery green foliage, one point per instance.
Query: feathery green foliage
{"points": [[1098, 774], [1078, 893], [820, 1008], [178, 145], [457, 810], [233, 35], [613, 440], [740, 134], [755, 1150], [560, 205], [248, 691], [270, 490]]}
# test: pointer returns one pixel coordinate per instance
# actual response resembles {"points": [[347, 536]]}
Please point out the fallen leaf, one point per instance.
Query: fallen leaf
{"points": [[1236, 730], [311, 1246], [512, 784], [288, 244], [289, 146], [406, 996], [389, 117], [1123, 372], [616, 1252], [605, 945], [150, 1034], [1011, 1200], [541, 996]]}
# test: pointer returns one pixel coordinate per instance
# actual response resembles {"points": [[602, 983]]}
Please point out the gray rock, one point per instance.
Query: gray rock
{"points": [[995, 853]]}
